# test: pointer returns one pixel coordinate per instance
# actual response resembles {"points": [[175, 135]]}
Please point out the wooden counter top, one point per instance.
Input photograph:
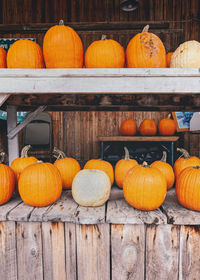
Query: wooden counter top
{"points": [[115, 211]]}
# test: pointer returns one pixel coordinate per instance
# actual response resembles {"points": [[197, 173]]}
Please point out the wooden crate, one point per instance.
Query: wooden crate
{"points": [[114, 241]]}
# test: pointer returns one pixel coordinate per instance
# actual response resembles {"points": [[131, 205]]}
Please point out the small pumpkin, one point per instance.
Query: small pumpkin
{"points": [[67, 166], [167, 126], [40, 184], [105, 53], [145, 187], [188, 188], [148, 128], [19, 164], [25, 54], [168, 58], [103, 165], [62, 47], [7, 182], [122, 167], [91, 187], [128, 128], [145, 50], [187, 55], [184, 161], [166, 170], [3, 58]]}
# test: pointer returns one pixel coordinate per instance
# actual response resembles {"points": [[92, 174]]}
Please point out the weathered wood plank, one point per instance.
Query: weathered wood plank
{"points": [[38, 213], [128, 252], [120, 212], [9, 206], [93, 252], [138, 138], [21, 213], [53, 251], [8, 256], [162, 252], [29, 251], [70, 251], [67, 210], [177, 214], [189, 268]]}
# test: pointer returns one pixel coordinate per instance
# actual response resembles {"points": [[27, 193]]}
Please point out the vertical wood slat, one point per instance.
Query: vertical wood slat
{"points": [[128, 252], [53, 251], [162, 252], [70, 251], [29, 251], [189, 252], [8, 255], [93, 252]]}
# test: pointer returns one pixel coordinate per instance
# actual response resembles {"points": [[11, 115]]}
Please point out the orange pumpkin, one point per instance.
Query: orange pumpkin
{"points": [[185, 161], [3, 58], [7, 183], [19, 164], [148, 128], [128, 127], [145, 50], [145, 187], [25, 54], [122, 167], [40, 184], [188, 188], [103, 165], [166, 170], [168, 58], [68, 168], [105, 53], [62, 47], [167, 126]]}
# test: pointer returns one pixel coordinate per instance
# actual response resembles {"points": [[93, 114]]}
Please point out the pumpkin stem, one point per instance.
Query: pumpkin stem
{"points": [[58, 153], [2, 156], [146, 28], [39, 161], [164, 157], [61, 22], [103, 37], [24, 152], [169, 116], [145, 164], [127, 156], [184, 152], [196, 167]]}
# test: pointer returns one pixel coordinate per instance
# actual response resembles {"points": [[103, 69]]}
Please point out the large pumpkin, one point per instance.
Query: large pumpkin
{"points": [[167, 126], [91, 187], [25, 54], [19, 164], [103, 165], [105, 53], [187, 55], [145, 50], [166, 170], [40, 184], [148, 128], [184, 161], [188, 188], [68, 168], [62, 47], [7, 183], [122, 167], [145, 187], [128, 128], [3, 58]]}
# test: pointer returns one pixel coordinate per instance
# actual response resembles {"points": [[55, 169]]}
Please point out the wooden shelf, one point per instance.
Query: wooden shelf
{"points": [[138, 138]]}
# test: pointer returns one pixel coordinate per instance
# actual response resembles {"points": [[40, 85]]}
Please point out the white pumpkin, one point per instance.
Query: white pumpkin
{"points": [[91, 187], [187, 55]]}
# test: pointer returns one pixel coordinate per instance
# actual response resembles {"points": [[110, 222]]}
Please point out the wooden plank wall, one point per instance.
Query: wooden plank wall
{"points": [[77, 132]]}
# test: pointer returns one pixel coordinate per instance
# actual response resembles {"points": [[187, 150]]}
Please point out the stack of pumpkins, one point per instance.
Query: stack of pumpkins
{"points": [[144, 186], [62, 48], [166, 127]]}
